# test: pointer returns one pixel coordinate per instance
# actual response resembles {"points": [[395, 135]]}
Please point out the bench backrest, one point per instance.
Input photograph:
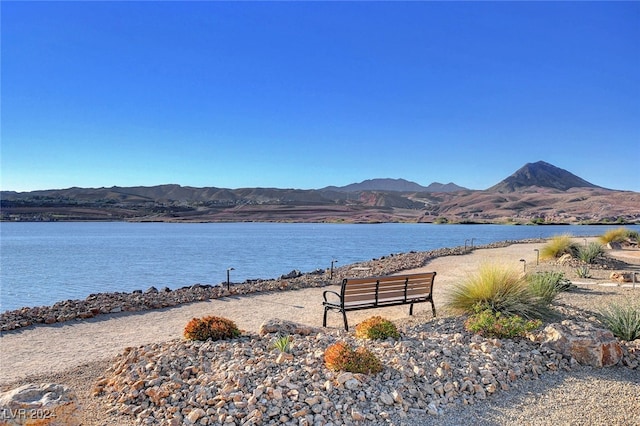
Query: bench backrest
{"points": [[389, 288]]}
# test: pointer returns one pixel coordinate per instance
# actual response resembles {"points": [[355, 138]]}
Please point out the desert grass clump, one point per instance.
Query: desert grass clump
{"points": [[619, 235], [546, 285], [583, 272], [488, 323], [211, 327], [558, 246], [498, 288], [341, 357], [623, 321], [377, 328], [283, 344], [590, 252]]}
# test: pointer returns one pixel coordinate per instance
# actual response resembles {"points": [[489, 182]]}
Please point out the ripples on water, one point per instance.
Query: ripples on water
{"points": [[41, 263]]}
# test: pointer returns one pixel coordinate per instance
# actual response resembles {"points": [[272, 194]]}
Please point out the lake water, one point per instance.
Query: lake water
{"points": [[42, 263]]}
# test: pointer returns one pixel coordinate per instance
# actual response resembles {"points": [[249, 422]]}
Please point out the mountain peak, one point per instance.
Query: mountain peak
{"points": [[541, 174]]}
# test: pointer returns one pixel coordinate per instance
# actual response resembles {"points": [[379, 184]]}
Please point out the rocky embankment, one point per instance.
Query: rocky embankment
{"points": [[433, 367], [152, 298]]}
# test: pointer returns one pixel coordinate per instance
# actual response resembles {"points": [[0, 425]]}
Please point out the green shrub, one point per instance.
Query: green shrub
{"points": [[558, 246], [214, 328], [548, 284], [583, 272], [619, 235], [283, 344], [499, 288], [377, 328], [544, 285], [494, 324], [623, 321], [591, 252], [341, 357]]}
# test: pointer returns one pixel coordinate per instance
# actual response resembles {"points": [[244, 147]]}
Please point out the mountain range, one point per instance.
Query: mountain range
{"points": [[536, 193], [398, 185]]}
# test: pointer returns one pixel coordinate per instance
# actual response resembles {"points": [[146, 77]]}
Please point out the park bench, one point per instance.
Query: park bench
{"points": [[377, 292]]}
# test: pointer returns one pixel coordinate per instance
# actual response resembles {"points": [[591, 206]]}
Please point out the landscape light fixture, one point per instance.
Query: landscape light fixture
{"points": [[537, 256], [470, 247], [524, 263], [331, 273], [228, 282]]}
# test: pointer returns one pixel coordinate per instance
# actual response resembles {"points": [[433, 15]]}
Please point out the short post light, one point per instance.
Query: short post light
{"points": [[537, 256], [331, 273], [229, 282], [524, 265]]}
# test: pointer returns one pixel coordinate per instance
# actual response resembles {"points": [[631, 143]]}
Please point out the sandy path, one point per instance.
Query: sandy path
{"points": [[53, 348]]}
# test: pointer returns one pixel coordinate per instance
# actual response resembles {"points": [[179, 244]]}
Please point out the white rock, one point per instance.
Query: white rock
{"points": [[386, 399]]}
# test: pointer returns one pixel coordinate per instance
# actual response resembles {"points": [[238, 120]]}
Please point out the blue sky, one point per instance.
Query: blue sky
{"points": [[311, 94]]}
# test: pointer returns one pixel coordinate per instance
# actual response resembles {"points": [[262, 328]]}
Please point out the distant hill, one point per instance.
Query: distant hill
{"points": [[536, 193], [541, 175], [397, 185]]}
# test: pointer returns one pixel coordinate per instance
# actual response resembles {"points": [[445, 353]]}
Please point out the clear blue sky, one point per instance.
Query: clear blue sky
{"points": [[311, 94]]}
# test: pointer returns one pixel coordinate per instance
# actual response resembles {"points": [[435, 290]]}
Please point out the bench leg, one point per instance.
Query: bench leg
{"points": [[411, 309], [346, 325], [433, 308], [324, 318]]}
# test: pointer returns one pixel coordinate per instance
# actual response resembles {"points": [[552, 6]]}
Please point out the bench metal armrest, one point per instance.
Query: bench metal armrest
{"points": [[324, 295]]}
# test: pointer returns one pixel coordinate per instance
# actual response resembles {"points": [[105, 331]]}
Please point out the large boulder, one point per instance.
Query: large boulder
{"points": [[564, 259], [282, 327], [38, 405], [585, 343], [622, 277]]}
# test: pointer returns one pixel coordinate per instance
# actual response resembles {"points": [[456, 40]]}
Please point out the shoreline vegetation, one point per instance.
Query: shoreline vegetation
{"points": [[152, 298]]}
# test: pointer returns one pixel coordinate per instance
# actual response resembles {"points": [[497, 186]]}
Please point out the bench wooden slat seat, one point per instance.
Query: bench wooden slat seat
{"points": [[377, 292]]}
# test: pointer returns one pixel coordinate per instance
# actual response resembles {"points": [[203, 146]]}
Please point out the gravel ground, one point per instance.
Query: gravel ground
{"points": [[583, 396]]}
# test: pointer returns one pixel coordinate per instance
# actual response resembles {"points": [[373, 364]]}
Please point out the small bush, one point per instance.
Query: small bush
{"points": [[499, 288], [493, 324], [591, 252], [341, 357], [544, 285], [377, 328], [557, 246], [337, 355], [283, 344], [623, 321], [619, 235], [547, 285], [214, 328], [583, 272]]}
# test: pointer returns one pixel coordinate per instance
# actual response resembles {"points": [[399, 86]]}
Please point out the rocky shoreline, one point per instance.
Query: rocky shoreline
{"points": [[152, 298]]}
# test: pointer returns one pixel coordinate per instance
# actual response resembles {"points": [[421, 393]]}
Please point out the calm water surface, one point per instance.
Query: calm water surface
{"points": [[42, 263]]}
